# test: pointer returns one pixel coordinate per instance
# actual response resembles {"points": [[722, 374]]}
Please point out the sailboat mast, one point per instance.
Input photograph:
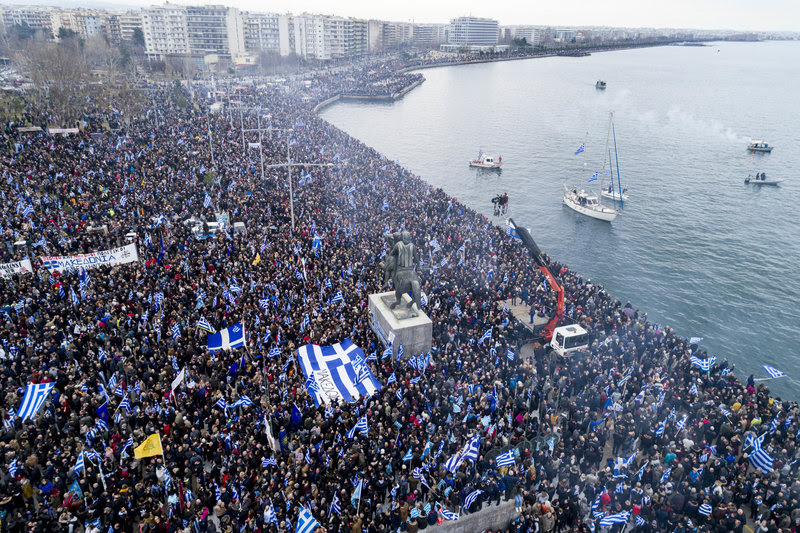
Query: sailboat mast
{"points": [[608, 137], [616, 157], [611, 171]]}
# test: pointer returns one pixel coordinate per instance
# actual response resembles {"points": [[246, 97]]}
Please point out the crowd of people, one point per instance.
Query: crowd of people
{"points": [[632, 425]]}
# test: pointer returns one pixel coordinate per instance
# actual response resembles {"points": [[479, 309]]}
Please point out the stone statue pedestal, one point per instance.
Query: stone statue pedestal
{"points": [[397, 326]]}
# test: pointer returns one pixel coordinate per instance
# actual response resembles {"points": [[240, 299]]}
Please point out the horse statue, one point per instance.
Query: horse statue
{"points": [[399, 266]]}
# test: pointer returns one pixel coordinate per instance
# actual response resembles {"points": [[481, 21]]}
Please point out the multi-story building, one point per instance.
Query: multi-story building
{"points": [[34, 17], [533, 36], [262, 31], [129, 22], [430, 34], [307, 36], [324, 37], [473, 31], [165, 31]]}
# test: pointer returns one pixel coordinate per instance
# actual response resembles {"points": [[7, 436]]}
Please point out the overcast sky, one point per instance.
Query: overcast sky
{"points": [[706, 14]]}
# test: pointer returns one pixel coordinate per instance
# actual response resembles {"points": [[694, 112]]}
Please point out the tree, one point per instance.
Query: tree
{"points": [[66, 33], [138, 37]]}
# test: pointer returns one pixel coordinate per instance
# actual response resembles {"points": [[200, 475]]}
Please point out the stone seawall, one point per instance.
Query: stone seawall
{"points": [[490, 517]]}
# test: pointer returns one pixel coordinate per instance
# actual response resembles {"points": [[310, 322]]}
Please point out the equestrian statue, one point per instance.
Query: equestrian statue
{"points": [[399, 267]]}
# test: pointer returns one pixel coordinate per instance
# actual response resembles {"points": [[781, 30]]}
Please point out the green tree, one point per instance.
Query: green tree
{"points": [[138, 37]]}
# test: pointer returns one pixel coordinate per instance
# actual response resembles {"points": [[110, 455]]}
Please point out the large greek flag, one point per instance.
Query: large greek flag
{"points": [[34, 398], [339, 371], [229, 338]]}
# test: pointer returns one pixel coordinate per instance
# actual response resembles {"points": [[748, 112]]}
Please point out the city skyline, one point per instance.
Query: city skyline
{"points": [[737, 15]]}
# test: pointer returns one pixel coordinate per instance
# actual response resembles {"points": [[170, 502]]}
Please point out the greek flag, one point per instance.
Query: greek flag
{"points": [[619, 518], [336, 506], [580, 149], [28, 210], [230, 338], [471, 497], [724, 410], [773, 372], [660, 429], [693, 389], [221, 403], [486, 336], [471, 448], [339, 370], [12, 468], [384, 206], [594, 177], [361, 426], [680, 425], [205, 325], [274, 352], [176, 331], [34, 398], [408, 456], [267, 462], [207, 201], [506, 459], [448, 515], [244, 400], [695, 340], [704, 364], [665, 477], [761, 459], [305, 323], [392, 379], [78, 464], [705, 509], [73, 296], [337, 297], [510, 354]]}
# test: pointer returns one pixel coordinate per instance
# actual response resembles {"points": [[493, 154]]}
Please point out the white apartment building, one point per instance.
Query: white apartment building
{"points": [[38, 18], [262, 31], [473, 31], [165, 31]]}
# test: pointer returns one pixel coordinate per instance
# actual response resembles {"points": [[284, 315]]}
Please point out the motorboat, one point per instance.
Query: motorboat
{"points": [[761, 179], [600, 84], [759, 146], [587, 203], [486, 161]]}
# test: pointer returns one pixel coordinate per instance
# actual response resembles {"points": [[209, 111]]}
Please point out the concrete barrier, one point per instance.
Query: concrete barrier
{"points": [[489, 517]]}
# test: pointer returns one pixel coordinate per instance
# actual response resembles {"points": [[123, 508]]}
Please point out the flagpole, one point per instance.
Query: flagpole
{"points": [[360, 489]]}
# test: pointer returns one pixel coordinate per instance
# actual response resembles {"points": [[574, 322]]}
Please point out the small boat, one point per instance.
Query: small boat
{"points": [[486, 161], [761, 179], [611, 194], [588, 204], [759, 146], [600, 84]]}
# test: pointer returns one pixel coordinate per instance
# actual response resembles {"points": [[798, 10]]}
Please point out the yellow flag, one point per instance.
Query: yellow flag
{"points": [[150, 447], [257, 260]]}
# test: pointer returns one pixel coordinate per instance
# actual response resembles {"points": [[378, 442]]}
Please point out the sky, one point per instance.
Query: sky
{"points": [[769, 15]]}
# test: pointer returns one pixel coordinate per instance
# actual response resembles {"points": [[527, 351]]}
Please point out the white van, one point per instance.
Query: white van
{"points": [[568, 339]]}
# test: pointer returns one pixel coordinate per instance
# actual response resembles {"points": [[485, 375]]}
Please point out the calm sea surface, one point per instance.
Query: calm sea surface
{"points": [[696, 248]]}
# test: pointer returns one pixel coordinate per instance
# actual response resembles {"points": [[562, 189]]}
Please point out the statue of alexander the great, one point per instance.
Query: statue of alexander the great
{"points": [[399, 267]]}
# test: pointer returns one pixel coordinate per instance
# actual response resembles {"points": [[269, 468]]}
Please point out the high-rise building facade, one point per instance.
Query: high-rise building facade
{"points": [[473, 31]]}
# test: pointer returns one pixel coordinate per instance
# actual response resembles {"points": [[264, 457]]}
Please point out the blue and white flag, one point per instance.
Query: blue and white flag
{"points": [[79, 465], [336, 506], [660, 429], [486, 336], [244, 400], [760, 459], [506, 459], [267, 462], [773, 372], [471, 497], [230, 338], [705, 509], [619, 518], [306, 321], [207, 201], [361, 426], [448, 515], [471, 448], [580, 149], [337, 297], [665, 476], [306, 522], [704, 364], [12, 468], [510, 354], [339, 370], [452, 464], [594, 177], [408, 456], [34, 398], [695, 340]]}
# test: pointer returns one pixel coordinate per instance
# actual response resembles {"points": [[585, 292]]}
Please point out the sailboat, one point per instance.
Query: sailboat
{"points": [[588, 203], [620, 194]]}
